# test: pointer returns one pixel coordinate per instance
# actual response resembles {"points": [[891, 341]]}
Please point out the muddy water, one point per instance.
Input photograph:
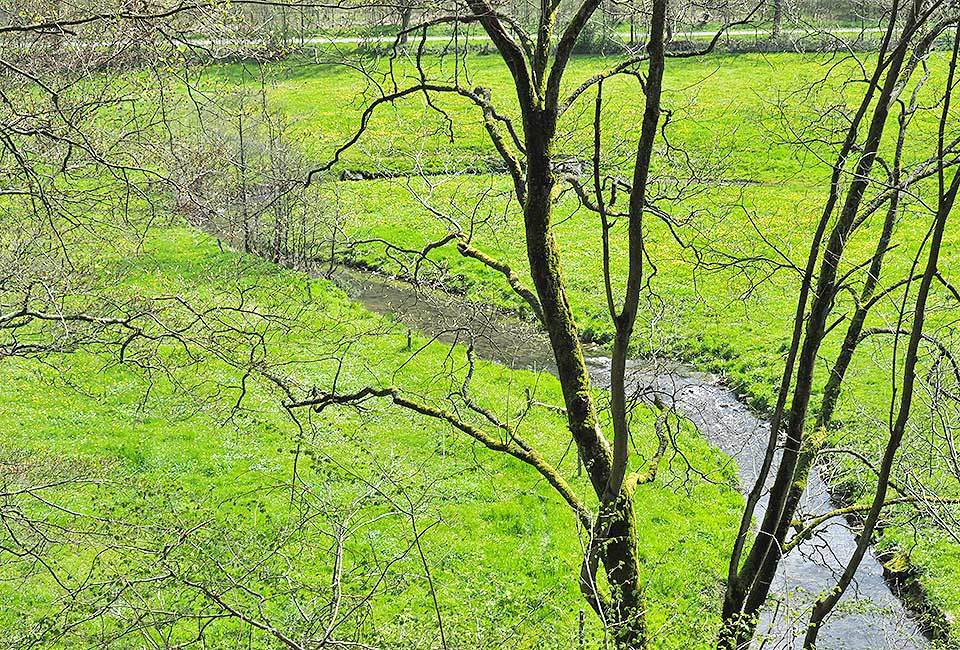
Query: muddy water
{"points": [[869, 617]]}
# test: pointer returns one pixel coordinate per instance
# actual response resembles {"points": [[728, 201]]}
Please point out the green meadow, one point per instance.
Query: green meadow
{"points": [[745, 178], [167, 453], [199, 467]]}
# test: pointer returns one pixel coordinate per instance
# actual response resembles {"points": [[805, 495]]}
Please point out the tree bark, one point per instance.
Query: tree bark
{"points": [[406, 14], [546, 271]]}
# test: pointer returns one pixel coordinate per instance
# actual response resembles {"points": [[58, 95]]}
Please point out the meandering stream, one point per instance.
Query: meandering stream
{"points": [[870, 616]]}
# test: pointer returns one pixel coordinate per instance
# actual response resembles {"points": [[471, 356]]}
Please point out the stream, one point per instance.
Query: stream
{"points": [[870, 616]]}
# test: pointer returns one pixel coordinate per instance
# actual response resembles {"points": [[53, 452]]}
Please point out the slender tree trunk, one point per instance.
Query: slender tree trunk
{"points": [[777, 29], [244, 209], [831, 390], [670, 20], [406, 14], [547, 273]]}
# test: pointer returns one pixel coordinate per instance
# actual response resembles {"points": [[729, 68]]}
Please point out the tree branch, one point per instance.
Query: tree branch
{"points": [[522, 452]]}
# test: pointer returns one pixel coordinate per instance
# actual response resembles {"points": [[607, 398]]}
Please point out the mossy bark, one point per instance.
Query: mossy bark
{"points": [[616, 546], [622, 566], [546, 271]]}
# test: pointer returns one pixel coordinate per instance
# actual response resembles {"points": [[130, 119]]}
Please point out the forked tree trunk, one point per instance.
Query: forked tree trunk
{"points": [[616, 544], [751, 586]]}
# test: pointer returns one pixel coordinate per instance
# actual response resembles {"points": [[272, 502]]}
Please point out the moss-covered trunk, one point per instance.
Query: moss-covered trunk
{"points": [[615, 543], [622, 567], [547, 274]]}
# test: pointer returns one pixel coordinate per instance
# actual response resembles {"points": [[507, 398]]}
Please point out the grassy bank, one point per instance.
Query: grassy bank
{"points": [[192, 491], [751, 171]]}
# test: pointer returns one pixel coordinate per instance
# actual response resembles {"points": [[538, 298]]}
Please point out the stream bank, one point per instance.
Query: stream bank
{"points": [[870, 616]]}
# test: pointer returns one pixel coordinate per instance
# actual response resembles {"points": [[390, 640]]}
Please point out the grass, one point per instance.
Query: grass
{"points": [[728, 116], [502, 550]]}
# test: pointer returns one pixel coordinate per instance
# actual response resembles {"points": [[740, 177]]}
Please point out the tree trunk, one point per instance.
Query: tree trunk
{"points": [[777, 29], [406, 14], [751, 586], [627, 615], [547, 273], [616, 543]]}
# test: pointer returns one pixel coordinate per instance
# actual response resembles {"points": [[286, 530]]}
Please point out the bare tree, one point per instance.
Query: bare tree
{"points": [[537, 64], [611, 571]]}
